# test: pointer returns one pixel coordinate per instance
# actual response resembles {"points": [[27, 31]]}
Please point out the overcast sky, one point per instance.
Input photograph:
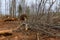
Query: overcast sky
{"points": [[27, 1], [7, 1]]}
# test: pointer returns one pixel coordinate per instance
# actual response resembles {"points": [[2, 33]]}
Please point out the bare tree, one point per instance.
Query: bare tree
{"points": [[39, 6], [0, 6], [13, 8], [49, 14], [32, 8], [10, 8], [19, 10], [44, 3], [27, 10], [22, 2], [59, 6]]}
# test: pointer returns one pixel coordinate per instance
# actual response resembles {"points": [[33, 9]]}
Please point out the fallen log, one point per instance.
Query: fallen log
{"points": [[5, 32], [10, 19]]}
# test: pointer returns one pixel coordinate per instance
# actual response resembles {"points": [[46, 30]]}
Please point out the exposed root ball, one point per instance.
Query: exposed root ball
{"points": [[23, 17]]}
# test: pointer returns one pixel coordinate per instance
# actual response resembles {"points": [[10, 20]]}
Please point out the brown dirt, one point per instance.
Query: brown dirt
{"points": [[22, 35]]}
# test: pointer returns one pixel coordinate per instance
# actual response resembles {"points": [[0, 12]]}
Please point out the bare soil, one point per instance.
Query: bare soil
{"points": [[31, 34]]}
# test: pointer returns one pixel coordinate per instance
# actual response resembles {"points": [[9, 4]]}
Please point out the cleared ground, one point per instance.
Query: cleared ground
{"points": [[38, 29], [21, 34]]}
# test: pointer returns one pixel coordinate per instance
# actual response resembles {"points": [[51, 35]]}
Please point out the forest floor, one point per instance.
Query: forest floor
{"points": [[41, 33]]}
